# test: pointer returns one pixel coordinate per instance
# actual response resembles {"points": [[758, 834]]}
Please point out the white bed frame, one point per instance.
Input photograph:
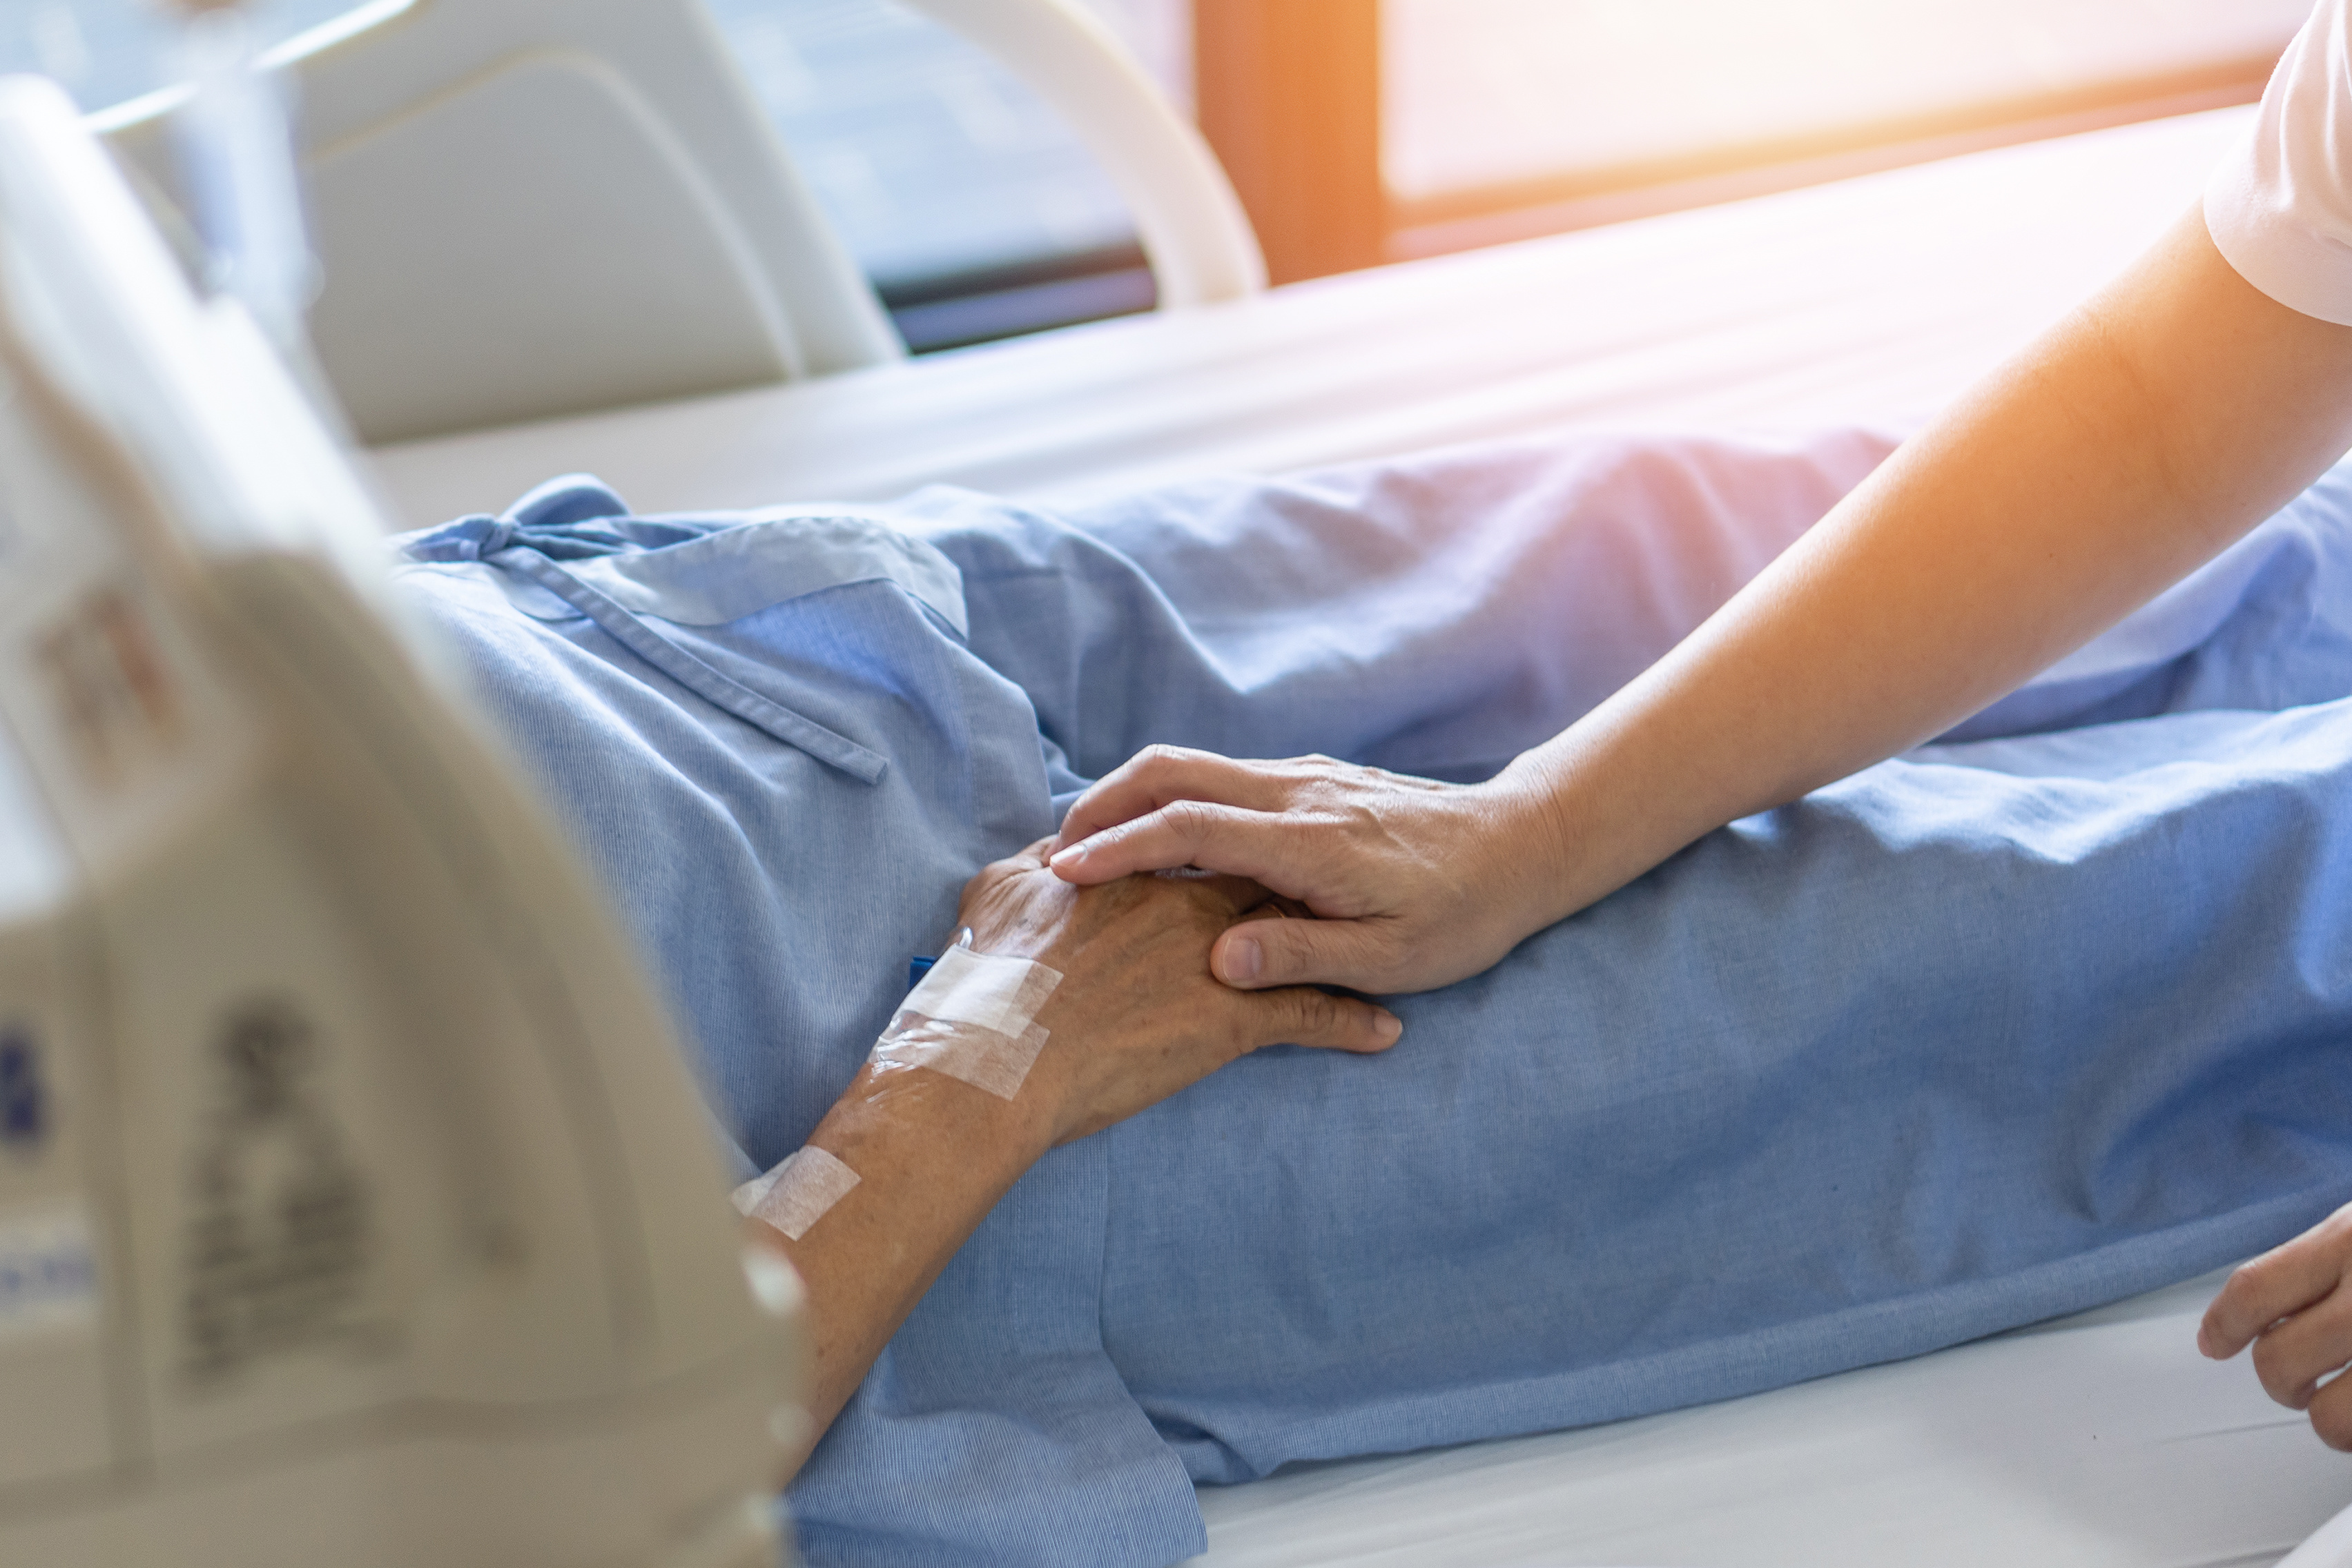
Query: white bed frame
{"points": [[2098, 1441], [1870, 300], [2102, 1440]]}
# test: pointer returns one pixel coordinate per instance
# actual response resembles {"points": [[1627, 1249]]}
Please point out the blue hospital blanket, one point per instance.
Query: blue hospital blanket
{"points": [[2051, 1012]]}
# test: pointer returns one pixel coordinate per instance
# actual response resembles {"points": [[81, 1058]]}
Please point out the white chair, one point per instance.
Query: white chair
{"points": [[527, 208]]}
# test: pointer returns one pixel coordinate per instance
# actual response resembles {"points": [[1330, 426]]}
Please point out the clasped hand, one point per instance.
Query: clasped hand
{"points": [[1138, 1015], [1414, 883]]}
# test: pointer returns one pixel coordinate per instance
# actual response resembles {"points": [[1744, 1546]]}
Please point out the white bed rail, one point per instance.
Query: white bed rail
{"points": [[1199, 240]]}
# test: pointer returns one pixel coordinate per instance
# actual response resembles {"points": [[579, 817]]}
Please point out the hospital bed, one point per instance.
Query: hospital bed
{"points": [[1871, 300], [2101, 1439]]}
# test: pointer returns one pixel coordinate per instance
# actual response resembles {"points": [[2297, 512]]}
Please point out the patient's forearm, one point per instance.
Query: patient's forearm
{"points": [[933, 1155], [1134, 1017], [2131, 444]]}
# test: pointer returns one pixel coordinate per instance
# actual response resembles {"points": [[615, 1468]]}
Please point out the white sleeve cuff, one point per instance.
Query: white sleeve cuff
{"points": [[2259, 235]]}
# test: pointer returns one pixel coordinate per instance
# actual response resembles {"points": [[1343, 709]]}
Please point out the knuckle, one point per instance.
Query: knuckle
{"points": [[1310, 1011], [2235, 1300], [1366, 953], [992, 875], [1329, 797], [1190, 820], [2257, 1278]]}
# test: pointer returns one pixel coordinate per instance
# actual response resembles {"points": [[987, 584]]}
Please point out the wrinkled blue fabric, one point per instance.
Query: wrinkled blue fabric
{"points": [[2051, 1012]]}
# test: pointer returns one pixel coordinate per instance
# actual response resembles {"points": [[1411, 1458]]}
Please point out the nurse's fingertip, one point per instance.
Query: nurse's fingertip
{"points": [[1240, 961]]}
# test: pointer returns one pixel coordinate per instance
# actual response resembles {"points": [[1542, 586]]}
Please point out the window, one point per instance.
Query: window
{"points": [[972, 206], [1571, 111], [1368, 131]]}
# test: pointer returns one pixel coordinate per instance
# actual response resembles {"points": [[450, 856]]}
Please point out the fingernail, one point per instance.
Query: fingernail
{"points": [[1387, 1025], [1070, 856], [1242, 960]]}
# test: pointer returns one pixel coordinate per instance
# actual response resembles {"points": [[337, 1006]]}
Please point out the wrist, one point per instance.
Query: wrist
{"points": [[932, 1157], [1534, 828], [905, 1114]]}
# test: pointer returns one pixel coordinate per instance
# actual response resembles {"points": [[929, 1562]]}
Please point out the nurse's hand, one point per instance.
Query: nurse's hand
{"points": [[1137, 1016], [1414, 883], [2294, 1305]]}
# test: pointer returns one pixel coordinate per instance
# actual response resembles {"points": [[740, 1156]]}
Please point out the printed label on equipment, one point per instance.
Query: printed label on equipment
{"points": [[49, 1272], [280, 1229], [25, 1114], [129, 731], [117, 703]]}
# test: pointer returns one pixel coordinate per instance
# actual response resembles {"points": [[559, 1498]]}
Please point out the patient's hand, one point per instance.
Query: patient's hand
{"points": [[2294, 1305], [1138, 1015]]}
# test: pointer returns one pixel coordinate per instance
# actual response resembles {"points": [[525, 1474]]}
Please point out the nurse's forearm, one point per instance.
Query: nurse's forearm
{"points": [[2134, 442]]}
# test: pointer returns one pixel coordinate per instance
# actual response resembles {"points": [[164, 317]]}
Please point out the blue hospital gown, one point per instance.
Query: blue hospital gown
{"points": [[2051, 1013]]}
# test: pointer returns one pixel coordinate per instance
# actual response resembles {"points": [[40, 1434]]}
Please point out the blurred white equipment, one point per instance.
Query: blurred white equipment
{"points": [[355, 1206], [526, 209]]}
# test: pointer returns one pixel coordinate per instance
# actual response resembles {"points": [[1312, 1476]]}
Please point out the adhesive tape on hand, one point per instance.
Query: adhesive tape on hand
{"points": [[974, 1018], [798, 1192]]}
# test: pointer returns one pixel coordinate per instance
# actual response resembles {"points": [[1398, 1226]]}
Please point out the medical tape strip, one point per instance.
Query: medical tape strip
{"points": [[797, 1193], [973, 1017]]}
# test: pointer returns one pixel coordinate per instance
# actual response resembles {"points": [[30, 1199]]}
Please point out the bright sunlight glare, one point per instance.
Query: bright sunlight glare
{"points": [[1485, 92]]}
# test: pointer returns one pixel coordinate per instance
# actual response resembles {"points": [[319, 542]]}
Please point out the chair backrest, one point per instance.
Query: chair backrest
{"points": [[529, 208]]}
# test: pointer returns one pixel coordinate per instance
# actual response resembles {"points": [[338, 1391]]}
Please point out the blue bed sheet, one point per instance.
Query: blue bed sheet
{"points": [[2051, 1012]]}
